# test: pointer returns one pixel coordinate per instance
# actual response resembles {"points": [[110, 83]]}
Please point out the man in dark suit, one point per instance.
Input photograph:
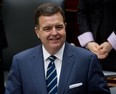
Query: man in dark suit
{"points": [[76, 70], [97, 27]]}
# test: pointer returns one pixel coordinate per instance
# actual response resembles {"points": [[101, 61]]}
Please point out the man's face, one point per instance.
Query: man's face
{"points": [[51, 32]]}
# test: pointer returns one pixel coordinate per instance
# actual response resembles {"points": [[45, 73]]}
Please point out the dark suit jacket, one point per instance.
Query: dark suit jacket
{"points": [[99, 17], [79, 66]]}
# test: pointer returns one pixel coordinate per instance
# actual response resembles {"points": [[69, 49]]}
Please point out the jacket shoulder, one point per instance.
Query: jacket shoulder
{"points": [[28, 52]]}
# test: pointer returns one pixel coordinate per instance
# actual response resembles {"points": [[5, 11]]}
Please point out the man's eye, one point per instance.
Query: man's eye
{"points": [[59, 27], [47, 29]]}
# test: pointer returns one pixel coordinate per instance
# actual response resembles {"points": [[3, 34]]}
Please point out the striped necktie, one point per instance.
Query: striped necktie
{"points": [[51, 78]]}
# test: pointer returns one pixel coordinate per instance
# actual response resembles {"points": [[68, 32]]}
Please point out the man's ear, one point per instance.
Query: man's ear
{"points": [[36, 31]]}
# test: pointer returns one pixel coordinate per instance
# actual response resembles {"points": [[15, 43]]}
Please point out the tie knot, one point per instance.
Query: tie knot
{"points": [[52, 58]]}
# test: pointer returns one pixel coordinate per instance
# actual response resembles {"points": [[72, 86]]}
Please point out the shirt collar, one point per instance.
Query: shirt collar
{"points": [[59, 54]]}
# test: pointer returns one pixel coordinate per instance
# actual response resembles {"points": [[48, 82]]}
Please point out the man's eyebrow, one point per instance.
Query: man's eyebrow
{"points": [[47, 26]]}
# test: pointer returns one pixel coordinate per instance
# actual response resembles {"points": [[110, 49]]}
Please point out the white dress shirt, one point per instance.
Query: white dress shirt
{"points": [[58, 61]]}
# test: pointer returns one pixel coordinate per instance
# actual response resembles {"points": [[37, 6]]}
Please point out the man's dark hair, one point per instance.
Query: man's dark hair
{"points": [[47, 9]]}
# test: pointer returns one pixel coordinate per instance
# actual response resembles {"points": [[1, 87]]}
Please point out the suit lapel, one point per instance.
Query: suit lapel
{"points": [[67, 64], [38, 71]]}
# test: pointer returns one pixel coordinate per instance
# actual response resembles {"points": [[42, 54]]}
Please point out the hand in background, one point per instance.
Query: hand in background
{"points": [[104, 49], [100, 50], [93, 47]]}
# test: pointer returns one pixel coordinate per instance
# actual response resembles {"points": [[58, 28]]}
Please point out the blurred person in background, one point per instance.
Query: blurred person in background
{"points": [[97, 28]]}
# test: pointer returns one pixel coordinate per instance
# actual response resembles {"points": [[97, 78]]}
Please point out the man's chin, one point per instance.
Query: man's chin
{"points": [[56, 46]]}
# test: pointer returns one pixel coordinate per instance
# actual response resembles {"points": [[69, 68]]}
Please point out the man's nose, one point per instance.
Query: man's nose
{"points": [[54, 31]]}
